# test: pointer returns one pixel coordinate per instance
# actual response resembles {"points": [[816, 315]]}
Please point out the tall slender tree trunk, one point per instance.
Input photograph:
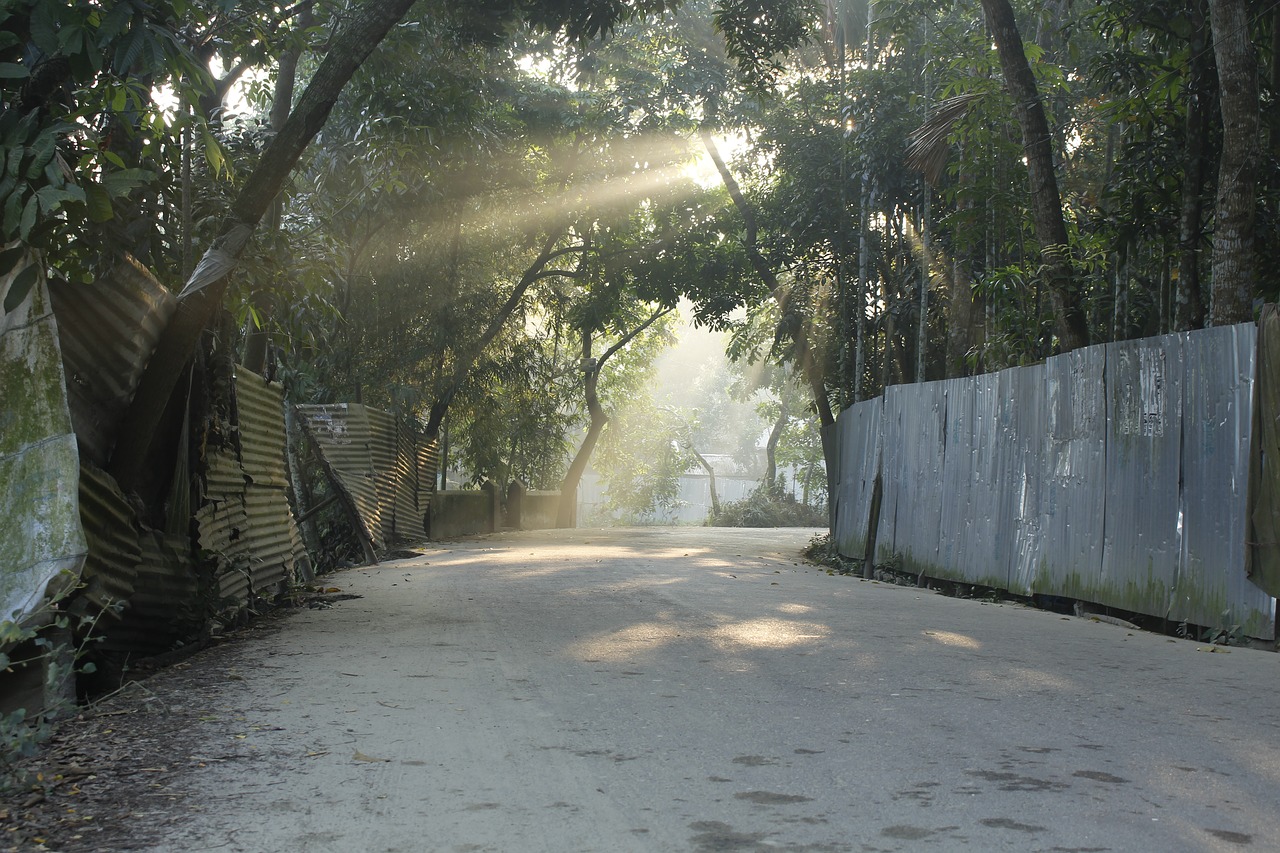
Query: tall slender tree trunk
{"points": [[711, 480], [591, 368], [1234, 265], [1189, 309], [1046, 202], [598, 419], [367, 24]]}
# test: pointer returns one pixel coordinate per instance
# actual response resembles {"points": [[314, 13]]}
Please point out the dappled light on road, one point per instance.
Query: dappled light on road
{"points": [[768, 633], [950, 638], [648, 637]]}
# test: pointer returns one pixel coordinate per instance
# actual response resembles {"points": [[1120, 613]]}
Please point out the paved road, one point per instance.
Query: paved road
{"points": [[705, 690]]}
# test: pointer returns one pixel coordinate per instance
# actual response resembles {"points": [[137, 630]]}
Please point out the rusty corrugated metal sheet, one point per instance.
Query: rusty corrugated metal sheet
{"points": [[222, 527], [260, 408], [245, 519], [108, 332], [385, 470], [274, 544], [165, 605], [111, 568], [428, 474], [342, 434], [384, 453]]}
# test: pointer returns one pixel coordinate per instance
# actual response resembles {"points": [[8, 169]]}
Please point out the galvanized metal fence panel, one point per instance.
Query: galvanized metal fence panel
{"points": [[1116, 475], [912, 507], [969, 541], [1072, 476], [1023, 422], [1144, 468], [1213, 587], [859, 437]]}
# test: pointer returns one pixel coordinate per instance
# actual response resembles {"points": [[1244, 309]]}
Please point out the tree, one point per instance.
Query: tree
{"points": [[1046, 202], [1234, 264]]}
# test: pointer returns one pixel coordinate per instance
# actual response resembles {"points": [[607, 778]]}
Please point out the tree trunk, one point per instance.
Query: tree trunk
{"points": [[1046, 203], [1188, 299], [366, 26], [1234, 267], [771, 450], [465, 361], [711, 480], [572, 477], [591, 376], [258, 340]]}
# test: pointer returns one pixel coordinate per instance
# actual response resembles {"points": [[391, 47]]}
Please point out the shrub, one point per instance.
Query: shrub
{"points": [[765, 507]]}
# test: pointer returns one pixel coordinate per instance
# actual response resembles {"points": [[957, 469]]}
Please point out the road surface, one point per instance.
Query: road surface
{"points": [[706, 690]]}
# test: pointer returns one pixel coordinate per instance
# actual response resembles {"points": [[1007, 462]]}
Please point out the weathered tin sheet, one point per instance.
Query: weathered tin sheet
{"points": [[408, 517], [342, 434], [111, 568], [392, 475], [1144, 450], [1213, 588], [428, 474], [1073, 475], [108, 332], [272, 540], [912, 507], [858, 430], [222, 527], [260, 410], [41, 537], [165, 608]]}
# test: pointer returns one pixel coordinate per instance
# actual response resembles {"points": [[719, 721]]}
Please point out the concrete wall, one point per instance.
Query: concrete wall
{"points": [[461, 512], [537, 511]]}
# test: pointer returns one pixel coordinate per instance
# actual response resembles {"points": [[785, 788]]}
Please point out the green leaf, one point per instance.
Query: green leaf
{"points": [[113, 23], [10, 258], [21, 286], [125, 180], [12, 215], [44, 30], [41, 154], [98, 201], [13, 71], [8, 40], [28, 220], [89, 668]]}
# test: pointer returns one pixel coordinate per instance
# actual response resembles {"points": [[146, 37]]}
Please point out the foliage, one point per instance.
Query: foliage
{"points": [[22, 732], [769, 507]]}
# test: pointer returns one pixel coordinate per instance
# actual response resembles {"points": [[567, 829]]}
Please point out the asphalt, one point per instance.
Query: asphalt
{"points": [[693, 689]]}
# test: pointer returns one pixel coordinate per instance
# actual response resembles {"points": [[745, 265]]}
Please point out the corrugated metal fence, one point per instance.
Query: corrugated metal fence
{"points": [[384, 472], [1116, 474]]}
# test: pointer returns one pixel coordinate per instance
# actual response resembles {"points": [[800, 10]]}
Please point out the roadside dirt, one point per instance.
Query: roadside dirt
{"points": [[106, 779]]}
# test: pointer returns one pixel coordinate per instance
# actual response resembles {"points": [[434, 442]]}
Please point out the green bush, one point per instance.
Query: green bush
{"points": [[766, 507]]}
